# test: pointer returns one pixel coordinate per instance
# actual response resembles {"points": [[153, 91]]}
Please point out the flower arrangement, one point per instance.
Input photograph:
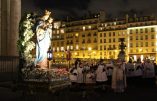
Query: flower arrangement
{"points": [[25, 43], [45, 74]]}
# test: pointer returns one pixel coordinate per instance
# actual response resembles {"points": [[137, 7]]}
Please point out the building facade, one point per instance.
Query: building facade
{"points": [[98, 37]]}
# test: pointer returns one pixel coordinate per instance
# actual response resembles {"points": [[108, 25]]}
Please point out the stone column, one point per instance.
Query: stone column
{"points": [[0, 26], [15, 16], [10, 17]]}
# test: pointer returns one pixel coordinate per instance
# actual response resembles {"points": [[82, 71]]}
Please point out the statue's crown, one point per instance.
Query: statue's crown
{"points": [[47, 12]]}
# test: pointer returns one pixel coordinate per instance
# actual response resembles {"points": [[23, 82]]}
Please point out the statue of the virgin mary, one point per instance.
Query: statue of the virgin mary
{"points": [[44, 34]]}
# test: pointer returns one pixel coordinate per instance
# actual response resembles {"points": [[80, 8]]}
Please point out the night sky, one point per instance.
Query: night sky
{"points": [[77, 8]]}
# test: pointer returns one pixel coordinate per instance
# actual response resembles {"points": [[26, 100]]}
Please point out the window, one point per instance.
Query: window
{"points": [[152, 36], [131, 31], [71, 47], [152, 43], [131, 38], [146, 30], [136, 44], [62, 43], [113, 33], [104, 40], [100, 34], [89, 34], [131, 45], [146, 37], [152, 29], [89, 27], [83, 41], [89, 41], [113, 39], [57, 49], [109, 46], [109, 40], [109, 33], [84, 28], [83, 35], [95, 34], [77, 47], [141, 30], [62, 48], [62, 30], [114, 47], [146, 44], [95, 40], [104, 34], [141, 37], [100, 47], [104, 47], [141, 44], [100, 40], [153, 50], [136, 31], [136, 37]]}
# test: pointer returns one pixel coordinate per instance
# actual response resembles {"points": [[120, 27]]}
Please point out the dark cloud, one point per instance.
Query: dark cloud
{"points": [[80, 7]]}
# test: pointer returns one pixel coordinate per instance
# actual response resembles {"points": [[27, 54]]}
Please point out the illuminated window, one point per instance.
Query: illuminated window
{"points": [[54, 49], [62, 30], [84, 28], [57, 31], [67, 47], [76, 34], [62, 48], [114, 23], [71, 47], [77, 47], [89, 27], [57, 48]]}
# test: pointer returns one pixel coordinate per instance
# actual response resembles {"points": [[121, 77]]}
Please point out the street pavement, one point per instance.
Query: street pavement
{"points": [[132, 93]]}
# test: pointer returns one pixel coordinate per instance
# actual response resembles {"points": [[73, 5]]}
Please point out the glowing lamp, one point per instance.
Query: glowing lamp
{"points": [[49, 54]]}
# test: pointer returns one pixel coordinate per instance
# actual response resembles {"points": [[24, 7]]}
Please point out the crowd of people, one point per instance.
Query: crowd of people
{"points": [[116, 75]]}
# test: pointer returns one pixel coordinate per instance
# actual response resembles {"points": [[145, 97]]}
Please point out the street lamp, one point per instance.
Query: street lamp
{"points": [[49, 57]]}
